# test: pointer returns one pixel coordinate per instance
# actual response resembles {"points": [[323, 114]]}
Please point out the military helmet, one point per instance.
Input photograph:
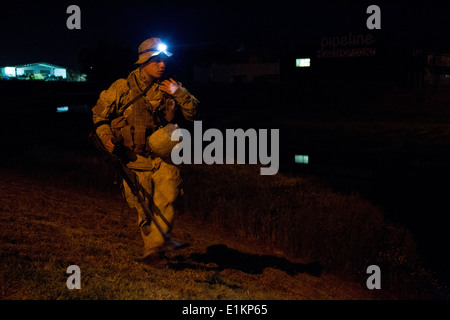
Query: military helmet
{"points": [[150, 48], [161, 143]]}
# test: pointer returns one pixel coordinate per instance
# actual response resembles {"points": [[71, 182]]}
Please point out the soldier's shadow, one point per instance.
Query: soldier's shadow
{"points": [[220, 257]]}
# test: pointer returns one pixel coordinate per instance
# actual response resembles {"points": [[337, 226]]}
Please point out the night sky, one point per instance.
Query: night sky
{"points": [[33, 31]]}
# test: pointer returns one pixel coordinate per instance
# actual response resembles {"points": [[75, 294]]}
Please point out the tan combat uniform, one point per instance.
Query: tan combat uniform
{"points": [[135, 123]]}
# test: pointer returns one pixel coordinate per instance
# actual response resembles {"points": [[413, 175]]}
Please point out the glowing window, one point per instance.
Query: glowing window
{"points": [[304, 62], [60, 73], [300, 158], [10, 71]]}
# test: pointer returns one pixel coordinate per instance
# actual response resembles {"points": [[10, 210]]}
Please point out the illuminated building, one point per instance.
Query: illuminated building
{"points": [[40, 71]]}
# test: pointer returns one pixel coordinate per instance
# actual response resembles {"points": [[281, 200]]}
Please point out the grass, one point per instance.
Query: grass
{"points": [[300, 217], [51, 228]]}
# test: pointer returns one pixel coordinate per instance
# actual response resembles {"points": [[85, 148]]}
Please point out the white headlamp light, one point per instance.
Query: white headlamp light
{"points": [[157, 50], [162, 47]]}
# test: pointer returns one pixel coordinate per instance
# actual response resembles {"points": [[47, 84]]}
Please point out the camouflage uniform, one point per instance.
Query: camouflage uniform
{"points": [[135, 123]]}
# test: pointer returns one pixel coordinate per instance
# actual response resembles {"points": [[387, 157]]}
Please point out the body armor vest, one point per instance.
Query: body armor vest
{"points": [[140, 117], [140, 112]]}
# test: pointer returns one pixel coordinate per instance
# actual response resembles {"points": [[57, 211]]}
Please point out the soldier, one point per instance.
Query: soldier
{"points": [[132, 110]]}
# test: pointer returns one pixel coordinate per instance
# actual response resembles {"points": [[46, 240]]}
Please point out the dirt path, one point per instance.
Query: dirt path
{"points": [[44, 229]]}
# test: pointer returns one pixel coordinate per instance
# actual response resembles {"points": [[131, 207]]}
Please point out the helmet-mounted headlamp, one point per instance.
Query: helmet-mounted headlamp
{"points": [[161, 47]]}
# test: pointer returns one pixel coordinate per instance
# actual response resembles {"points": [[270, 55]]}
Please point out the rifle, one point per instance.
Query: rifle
{"points": [[132, 180]]}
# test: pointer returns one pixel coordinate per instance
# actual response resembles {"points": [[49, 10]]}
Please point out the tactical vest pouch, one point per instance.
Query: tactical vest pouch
{"points": [[117, 124], [127, 135], [139, 139], [122, 130]]}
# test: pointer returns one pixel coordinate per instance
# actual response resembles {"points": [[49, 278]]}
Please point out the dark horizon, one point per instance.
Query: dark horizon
{"points": [[39, 32]]}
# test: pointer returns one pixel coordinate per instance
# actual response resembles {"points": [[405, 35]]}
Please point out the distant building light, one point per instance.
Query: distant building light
{"points": [[60, 73], [304, 62], [62, 109], [10, 71], [41, 71], [300, 158]]}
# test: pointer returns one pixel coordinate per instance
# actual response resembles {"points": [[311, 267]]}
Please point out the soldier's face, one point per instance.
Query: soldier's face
{"points": [[156, 67]]}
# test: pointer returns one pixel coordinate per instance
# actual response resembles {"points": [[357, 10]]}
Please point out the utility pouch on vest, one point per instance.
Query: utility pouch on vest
{"points": [[127, 135], [139, 139], [122, 130], [117, 124]]}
